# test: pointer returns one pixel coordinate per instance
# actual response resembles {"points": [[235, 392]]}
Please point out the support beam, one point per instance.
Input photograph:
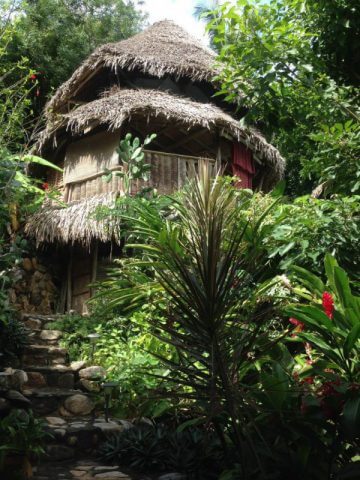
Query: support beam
{"points": [[187, 138], [69, 281], [94, 266]]}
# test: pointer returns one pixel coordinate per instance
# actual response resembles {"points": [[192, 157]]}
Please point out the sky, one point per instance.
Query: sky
{"points": [[180, 11]]}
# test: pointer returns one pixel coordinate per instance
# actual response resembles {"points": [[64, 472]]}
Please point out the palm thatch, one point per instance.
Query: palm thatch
{"points": [[75, 222], [117, 106], [164, 48]]}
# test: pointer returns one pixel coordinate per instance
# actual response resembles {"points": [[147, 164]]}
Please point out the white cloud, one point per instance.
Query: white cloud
{"points": [[180, 11]]}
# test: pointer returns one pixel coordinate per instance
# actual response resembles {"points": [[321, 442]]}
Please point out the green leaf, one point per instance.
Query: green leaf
{"points": [[330, 263], [311, 281], [351, 413], [311, 316], [190, 423], [41, 161], [342, 286], [279, 189], [351, 339]]}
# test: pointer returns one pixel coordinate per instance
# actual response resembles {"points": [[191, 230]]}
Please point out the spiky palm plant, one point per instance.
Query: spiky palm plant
{"points": [[195, 259]]}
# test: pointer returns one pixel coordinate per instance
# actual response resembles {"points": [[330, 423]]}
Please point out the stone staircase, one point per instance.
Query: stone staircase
{"points": [[56, 389]]}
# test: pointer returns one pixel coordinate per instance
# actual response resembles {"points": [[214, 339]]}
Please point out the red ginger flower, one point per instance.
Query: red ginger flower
{"points": [[299, 325], [308, 380], [33, 77], [328, 304], [45, 186]]}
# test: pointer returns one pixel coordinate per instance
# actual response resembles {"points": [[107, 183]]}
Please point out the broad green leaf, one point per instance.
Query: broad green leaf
{"points": [[351, 413], [330, 263], [41, 161], [311, 281], [342, 285], [311, 315], [352, 339]]}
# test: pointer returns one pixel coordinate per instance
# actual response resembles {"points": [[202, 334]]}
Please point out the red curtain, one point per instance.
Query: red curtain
{"points": [[243, 165]]}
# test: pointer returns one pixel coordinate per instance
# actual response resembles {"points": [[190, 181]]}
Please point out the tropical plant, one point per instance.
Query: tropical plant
{"points": [[43, 38], [198, 264], [144, 447], [21, 436], [330, 326], [280, 72], [132, 157]]}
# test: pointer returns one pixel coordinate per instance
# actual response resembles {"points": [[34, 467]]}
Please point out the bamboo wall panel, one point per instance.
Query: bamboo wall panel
{"points": [[168, 173]]}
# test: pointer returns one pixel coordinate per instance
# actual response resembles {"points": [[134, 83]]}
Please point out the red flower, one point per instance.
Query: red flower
{"points": [[45, 186], [33, 77], [328, 304], [308, 380], [299, 325]]}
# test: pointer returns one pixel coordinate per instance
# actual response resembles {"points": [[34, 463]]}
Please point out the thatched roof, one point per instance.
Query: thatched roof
{"points": [[74, 222], [119, 105], [164, 48]]}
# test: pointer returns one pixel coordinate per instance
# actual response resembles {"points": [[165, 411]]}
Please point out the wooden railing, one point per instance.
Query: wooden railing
{"points": [[168, 173]]}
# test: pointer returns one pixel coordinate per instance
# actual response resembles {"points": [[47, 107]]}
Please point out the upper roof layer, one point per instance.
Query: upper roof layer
{"points": [[164, 48]]}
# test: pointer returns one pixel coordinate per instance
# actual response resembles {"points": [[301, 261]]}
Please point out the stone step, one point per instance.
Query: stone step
{"points": [[79, 434], [46, 337], [39, 322], [43, 355], [63, 402], [57, 376]]}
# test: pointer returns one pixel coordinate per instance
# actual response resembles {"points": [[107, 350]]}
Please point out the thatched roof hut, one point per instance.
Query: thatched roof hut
{"points": [[159, 81], [163, 49]]}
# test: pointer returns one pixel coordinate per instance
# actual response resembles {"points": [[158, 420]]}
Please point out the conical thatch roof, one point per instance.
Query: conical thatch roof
{"points": [[117, 106], [164, 48]]}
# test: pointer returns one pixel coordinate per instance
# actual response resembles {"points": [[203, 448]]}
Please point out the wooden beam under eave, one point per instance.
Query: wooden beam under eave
{"points": [[187, 138]]}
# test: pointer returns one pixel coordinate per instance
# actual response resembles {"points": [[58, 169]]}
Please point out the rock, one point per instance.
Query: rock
{"points": [[55, 421], [79, 404], [64, 413], [36, 379], [59, 433], [17, 378], [5, 405], [66, 381], [90, 385], [61, 368], [112, 476], [77, 473], [126, 424], [92, 373], [59, 452], [17, 399], [5, 380], [109, 428], [27, 265], [33, 324], [50, 334], [77, 365]]}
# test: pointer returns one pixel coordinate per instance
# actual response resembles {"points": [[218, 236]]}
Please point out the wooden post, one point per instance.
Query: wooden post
{"points": [[218, 154], [69, 281], [94, 266]]}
